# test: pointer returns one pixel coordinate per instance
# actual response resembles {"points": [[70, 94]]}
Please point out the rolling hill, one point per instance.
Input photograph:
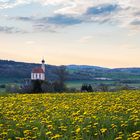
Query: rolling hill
{"points": [[11, 71]]}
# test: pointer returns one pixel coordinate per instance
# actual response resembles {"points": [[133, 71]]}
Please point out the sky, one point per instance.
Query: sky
{"points": [[85, 32]]}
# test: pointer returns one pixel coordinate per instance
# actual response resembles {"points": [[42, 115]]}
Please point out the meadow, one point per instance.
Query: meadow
{"points": [[80, 116]]}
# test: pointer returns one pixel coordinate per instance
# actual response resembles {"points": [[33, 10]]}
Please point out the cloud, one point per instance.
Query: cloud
{"points": [[85, 39], [122, 13], [137, 13], [135, 22], [24, 18], [68, 4], [75, 12], [13, 3], [75, 7], [56, 20], [101, 9], [50, 24], [45, 28], [63, 20], [4, 4], [7, 29]]}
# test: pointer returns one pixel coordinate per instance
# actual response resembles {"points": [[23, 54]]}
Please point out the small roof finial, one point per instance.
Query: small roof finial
{"points": [[43, 61]]}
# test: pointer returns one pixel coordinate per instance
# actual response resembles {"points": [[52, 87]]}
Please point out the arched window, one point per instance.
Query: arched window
{"points": [[35, 76], [38, 76]]}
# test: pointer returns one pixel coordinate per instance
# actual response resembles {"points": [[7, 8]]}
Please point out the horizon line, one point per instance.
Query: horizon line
{"points": [[70, 64]]}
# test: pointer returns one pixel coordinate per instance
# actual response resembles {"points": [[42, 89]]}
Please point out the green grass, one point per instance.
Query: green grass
{"points": [[77, 84], [2, 90]]}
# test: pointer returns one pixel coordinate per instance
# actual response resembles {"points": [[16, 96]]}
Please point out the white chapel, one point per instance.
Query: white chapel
{"points": [[39, 72]]}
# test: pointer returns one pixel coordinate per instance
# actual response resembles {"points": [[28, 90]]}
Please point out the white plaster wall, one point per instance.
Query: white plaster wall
{"points": [[39, 76]]}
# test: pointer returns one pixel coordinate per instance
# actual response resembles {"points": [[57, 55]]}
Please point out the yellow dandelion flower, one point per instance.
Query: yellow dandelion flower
{"points": [[103, 130], [48, 133], [119, 138], [77, 130], [56, 136]]}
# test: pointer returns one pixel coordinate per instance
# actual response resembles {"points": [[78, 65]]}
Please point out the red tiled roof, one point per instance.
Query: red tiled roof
{"points": [[37, 70]]}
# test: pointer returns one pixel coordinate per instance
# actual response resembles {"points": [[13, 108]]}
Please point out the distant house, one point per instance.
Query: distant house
{"points": [[39, 72]]}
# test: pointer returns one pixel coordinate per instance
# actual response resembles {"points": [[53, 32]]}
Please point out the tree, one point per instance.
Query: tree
{"points": [[90, 89], [26, 89], [84, 88], [58, 87], [12, 88], [103, 87], [37, 86], [62, 76], [47, 87]]}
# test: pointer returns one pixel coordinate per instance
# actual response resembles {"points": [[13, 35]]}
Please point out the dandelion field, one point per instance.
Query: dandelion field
{"points": [[80, 116]]}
